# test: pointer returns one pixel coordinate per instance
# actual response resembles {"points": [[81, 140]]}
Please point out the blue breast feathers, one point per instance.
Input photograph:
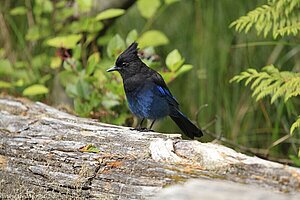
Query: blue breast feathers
{"points": [[150, 102]]}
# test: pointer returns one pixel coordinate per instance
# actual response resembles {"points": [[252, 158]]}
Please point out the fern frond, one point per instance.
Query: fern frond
{"points": [[271, 82], [295, 125], [259, 77], [290, 30], [282, 17]]}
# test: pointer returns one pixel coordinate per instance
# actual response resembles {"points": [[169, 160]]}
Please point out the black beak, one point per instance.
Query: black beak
{"points": [[114, 68]]}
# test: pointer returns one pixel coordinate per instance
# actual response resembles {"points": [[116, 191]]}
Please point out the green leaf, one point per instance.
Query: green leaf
{"points": [[19, 83], [83, 89], [295, 160], [47, 6], [67, 77], [104, 40], [4, 84], [60, 4], [95, 99], [183, 69], [90, 148], [120, 119], [295, 125], [71, 91], [169, 2], [152, 38], [45, 78], [33, 33], [115, 46], [55, 62], [35, 90], [148, 8], [40, 61], [76, 52], [5, 67], [85, 24], [168, 76], [20, 64], [85, 5], [93, 60], [82, 108], [21, 10], [174, 60], [131, 37], [110, 13], [101, 78], [63, 14], [68, 42]]}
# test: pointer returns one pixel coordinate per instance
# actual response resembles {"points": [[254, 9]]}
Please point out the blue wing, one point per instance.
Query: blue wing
{"points": [[166, 92], [162, 88]]}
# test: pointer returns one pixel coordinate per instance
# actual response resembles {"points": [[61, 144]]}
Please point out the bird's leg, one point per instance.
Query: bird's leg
{"points": [[139, 127], [151, 125], [147, 129]]}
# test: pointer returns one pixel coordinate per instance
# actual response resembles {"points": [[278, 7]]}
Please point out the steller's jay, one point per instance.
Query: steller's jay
{"points": [[147, 93]]}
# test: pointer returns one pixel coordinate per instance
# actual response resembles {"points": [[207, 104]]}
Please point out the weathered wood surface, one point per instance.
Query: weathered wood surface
{"points": [[197, 189], [40, 158]]}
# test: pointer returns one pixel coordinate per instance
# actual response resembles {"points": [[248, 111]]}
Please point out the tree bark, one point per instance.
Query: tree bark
{"points": [[41, 156]]}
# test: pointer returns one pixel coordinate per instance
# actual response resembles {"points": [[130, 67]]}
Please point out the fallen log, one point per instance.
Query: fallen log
{"points": [[44, 153]]}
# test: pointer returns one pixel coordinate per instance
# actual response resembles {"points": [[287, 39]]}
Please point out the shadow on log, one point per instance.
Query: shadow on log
{"points": [[40, 157]]}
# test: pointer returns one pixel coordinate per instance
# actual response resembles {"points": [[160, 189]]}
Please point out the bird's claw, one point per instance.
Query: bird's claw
{"points": [[141, 129]]}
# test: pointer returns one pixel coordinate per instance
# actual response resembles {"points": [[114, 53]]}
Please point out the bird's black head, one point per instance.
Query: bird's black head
{"points": [[128, 63]]}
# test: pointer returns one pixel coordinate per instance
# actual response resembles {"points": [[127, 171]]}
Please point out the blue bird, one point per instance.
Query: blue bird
{"points": [[147, 93]]}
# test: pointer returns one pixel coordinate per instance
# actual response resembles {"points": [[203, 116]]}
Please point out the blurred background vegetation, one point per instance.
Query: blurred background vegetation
{"points": [[57, 52]]}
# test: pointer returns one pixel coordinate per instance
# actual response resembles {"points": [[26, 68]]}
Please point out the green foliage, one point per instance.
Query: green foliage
{"points": [[5, 67], [281, 17], [152, 38], [148, 8], [168, 2], [4, 84], [271, 82], [215, 61], [35, 90], [67, 42], [21, 10], [295, 159], [175, 65], [84, 5], [115, 46], [74, 57], [131, 37], [110, 13], [174, 60], [295, 125]]}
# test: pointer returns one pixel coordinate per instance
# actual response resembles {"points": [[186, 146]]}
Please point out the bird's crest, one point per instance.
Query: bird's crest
{"points": [[130, 54], [132, 49]]}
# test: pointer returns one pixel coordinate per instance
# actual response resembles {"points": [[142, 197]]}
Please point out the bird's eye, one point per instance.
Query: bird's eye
{"points": [[124, 64]]}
